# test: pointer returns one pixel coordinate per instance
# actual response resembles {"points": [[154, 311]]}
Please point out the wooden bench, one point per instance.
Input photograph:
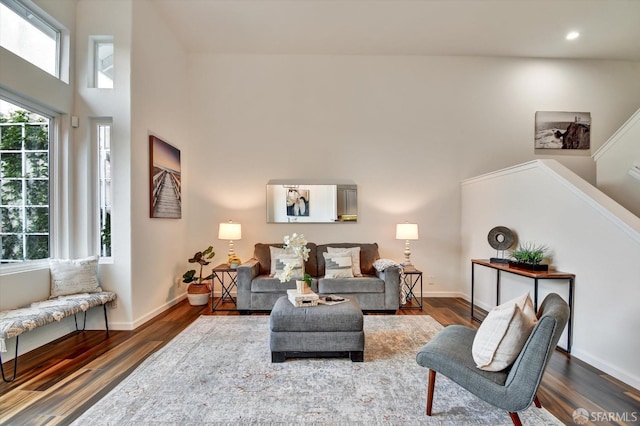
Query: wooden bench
{"points": [[14, 322]]}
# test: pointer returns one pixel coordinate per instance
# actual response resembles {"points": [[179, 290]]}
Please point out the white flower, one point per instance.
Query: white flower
{"points": [[296, 244]]}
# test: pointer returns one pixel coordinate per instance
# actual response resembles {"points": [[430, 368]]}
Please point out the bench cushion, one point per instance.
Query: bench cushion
{"points": [[14, 322]]}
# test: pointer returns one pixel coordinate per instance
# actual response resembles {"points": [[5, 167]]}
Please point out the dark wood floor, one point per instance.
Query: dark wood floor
{"points": [[60, 380]]}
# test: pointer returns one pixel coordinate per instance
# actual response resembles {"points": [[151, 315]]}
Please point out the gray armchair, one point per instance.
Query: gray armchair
{"points": [[512, 389]]}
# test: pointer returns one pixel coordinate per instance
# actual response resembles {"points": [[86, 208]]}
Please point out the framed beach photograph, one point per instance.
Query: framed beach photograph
{"points": [[297, 202], [563, 130], [165, 187]]}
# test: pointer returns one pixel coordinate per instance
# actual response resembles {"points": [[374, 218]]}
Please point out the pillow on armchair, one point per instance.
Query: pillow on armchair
{"points": [[503, 333]]}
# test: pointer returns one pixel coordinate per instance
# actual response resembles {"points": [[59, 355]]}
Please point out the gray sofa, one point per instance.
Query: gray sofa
{"points": [[374, 291]]}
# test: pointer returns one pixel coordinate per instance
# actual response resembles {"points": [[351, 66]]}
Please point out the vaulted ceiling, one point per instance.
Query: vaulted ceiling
{"points": [[610, 29]]}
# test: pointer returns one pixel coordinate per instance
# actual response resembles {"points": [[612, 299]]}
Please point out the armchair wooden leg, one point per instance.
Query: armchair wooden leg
{"points": [[515, 419], [432, 383], [537, 401]]}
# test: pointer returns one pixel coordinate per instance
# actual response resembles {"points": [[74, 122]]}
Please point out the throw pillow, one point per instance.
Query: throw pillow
{"points": [[337, 266], [71, 276], [275, 252], [284, 259], [503, 333], [354, 252]]}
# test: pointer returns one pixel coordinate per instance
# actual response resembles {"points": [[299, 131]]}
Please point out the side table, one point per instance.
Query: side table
{"points": [[412, 277], [227, 278]]}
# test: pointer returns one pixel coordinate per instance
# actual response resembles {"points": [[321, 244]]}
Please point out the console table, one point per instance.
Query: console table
{"points": [[227, 278], [536, 276]]}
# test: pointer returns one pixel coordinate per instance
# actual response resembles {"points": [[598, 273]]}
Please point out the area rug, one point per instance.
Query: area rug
{"points": [[219, 371]]}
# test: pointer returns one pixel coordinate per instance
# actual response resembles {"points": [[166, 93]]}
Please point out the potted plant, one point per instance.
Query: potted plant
{"points": [[528, 256], [198, 292]]}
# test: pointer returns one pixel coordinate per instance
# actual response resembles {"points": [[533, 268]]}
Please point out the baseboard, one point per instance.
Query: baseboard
{"points": [[605, 367], [149, 315], [445, 294]]}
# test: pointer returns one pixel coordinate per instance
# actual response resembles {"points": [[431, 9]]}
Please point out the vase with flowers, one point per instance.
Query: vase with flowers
{"points": [[296, 244]]}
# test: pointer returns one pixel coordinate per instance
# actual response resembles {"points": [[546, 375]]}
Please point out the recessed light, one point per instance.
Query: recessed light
{"points": [[573, 35]]}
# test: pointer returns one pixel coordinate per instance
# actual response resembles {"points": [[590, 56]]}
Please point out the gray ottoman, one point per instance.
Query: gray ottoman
{"points": [[321, 331]]}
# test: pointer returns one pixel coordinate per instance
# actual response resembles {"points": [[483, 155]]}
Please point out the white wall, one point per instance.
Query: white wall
{"points": [[160, 106], [406, 130], [613, 161], [589, 235]]}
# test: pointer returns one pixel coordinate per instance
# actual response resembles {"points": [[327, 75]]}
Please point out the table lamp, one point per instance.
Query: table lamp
{"points": [[407, 231], [230, 231]]}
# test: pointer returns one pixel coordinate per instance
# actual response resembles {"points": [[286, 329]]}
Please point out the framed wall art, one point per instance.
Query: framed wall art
{"points": [[165, 183], [563, 130]]}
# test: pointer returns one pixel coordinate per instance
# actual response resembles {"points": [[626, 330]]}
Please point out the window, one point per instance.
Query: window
{"points": [[24, 184], [101, 62], [28, 35], [103, 139]]}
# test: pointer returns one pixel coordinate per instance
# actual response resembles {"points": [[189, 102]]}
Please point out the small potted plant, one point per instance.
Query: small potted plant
{"points": [[198, 292], [528, 256]]}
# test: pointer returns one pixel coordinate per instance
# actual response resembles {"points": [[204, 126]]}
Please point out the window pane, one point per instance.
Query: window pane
{"points": [[37, 165], [24, 184], [11, 247], [37, 247], [28, 36], [103, 132], [104, 65], [11, 192]]}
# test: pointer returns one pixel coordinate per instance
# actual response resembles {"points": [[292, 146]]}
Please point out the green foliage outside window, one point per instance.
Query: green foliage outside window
{"points": [[24, 187]]}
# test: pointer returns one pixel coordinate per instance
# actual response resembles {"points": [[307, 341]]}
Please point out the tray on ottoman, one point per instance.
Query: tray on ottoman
{"points": [[323, 330]]}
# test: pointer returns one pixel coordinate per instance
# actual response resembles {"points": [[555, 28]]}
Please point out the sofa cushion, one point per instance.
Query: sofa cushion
{"points": [[337, 265], [350, 285], [368, 255], [284, 259], [267, 284], [262, 254], [354, 252]]}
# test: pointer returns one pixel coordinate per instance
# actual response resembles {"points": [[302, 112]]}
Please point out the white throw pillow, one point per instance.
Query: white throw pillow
{"points": [[284, 259], [354, 252], [71, 276], [503, 333], [337, 266], [275, 252]]}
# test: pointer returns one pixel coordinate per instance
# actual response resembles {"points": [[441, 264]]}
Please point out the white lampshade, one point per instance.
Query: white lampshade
{"points": [[230, 231], [407, 231]]}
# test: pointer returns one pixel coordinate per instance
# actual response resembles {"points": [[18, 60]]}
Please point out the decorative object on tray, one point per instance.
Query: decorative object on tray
{"points": [[198, 292], [231, 231], [500, 238], [529, 256], [300, 300]]}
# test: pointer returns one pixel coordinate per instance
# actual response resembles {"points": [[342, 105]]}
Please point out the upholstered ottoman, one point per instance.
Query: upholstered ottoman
{"points": [[322, 331]]}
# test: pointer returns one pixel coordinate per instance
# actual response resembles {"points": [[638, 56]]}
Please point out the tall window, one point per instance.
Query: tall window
{"points": [[28, 35], [103, 136], [24, 184], [104, 64]]}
